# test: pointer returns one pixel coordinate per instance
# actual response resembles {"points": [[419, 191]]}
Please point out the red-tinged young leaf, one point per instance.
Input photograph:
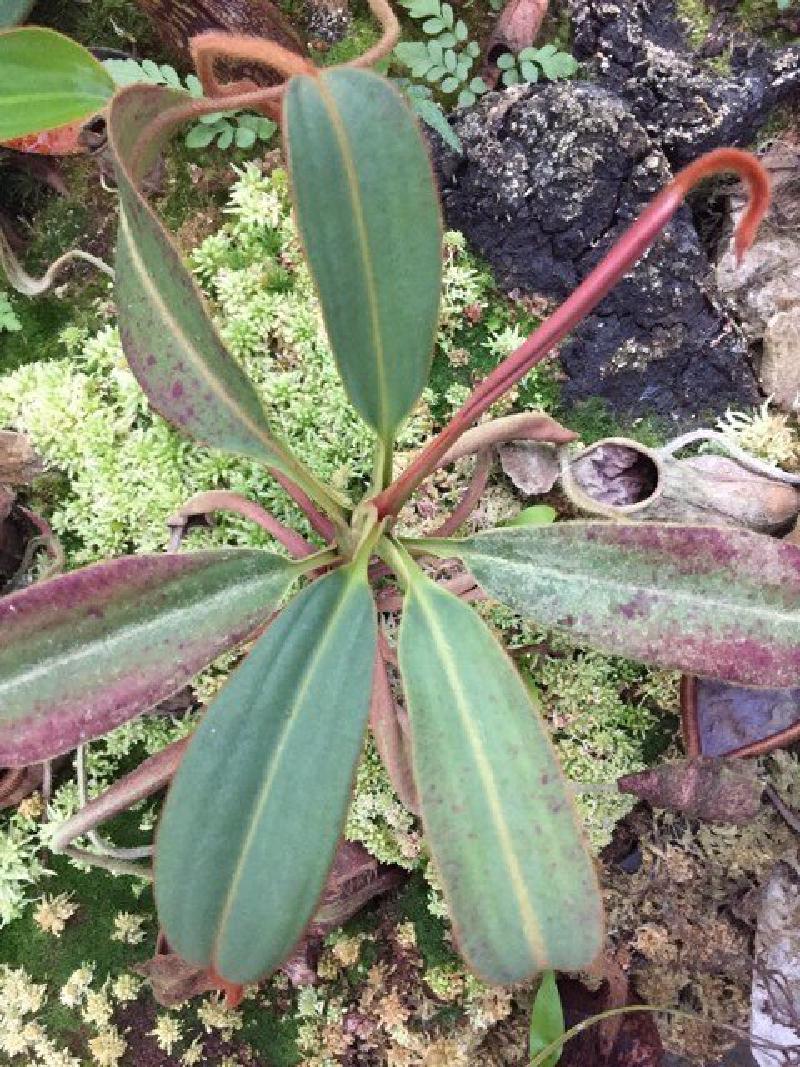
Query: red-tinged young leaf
{"points": [[498, 816], [166, 329], [712, 601], [254, 814], [82, 653]]}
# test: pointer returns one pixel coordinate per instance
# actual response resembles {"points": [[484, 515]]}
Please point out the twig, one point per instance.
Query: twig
{"points": [[689, 720], [104, 847]]}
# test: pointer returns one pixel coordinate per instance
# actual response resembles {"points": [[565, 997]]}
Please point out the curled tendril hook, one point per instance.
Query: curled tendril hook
{"points": [[206, 48], [619, 260]]}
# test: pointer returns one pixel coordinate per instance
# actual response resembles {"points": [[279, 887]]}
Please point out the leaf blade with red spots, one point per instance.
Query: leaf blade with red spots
{"points": [[713, 601], [85, 652], [497, 813], [166, 328]]}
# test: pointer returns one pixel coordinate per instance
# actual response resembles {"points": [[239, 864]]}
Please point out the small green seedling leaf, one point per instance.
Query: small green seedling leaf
{"points": [[46, 81], [497, 813], [254, 815], [538, 515], [547, 1019], [712, 601], [373, 218], [506, 61], [82, 653], [433, 26]]}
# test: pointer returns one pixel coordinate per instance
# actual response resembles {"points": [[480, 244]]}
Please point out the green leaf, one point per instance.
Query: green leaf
{"points": [[82, 653], [446, 40], [559, 65], [450, 60], [46, 81], [436, 49], [411, 53], [547, 1019], [449, 85], [712, 601], [255, 812], [436, 73], [266, 129], [473, 49], [497, 813], [461, 31], [167, 333], [511, 77], [529, 71], [466, 98], [538, 515], [245, 137], [506, 61], [200, 136], [370, 223], [421, 9], [463, 67], [478, 86], [225, 139], [432, 114], [433, 26], [447, 16]]}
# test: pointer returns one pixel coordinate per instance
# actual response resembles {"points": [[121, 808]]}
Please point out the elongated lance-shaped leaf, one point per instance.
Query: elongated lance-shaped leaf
{"points": [[498, 817], [254, 814], [47, 80], [706, 600], [82, 653], [166, 329], [369, 218]]}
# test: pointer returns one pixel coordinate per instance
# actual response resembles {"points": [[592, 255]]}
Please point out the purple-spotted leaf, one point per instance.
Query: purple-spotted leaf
{"points": [[253, 817], [498, 815], [82, 653], [169, 339], [707, 600]]}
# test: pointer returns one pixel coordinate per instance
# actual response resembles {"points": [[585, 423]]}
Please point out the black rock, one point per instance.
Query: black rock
{"points": [[638, 50]]}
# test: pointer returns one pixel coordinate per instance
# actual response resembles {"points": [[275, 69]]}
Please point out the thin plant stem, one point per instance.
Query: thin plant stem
{"points": [[225, 500], [470, 498], [105, 848]]}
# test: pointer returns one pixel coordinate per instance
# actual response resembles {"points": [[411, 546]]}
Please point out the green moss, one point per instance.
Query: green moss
{"points": [[87, 936], [696, 18], [431, 931], [42, 320], [273, 1035], [101, 24], [759, 17], [361, 36], [593, 420]]}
